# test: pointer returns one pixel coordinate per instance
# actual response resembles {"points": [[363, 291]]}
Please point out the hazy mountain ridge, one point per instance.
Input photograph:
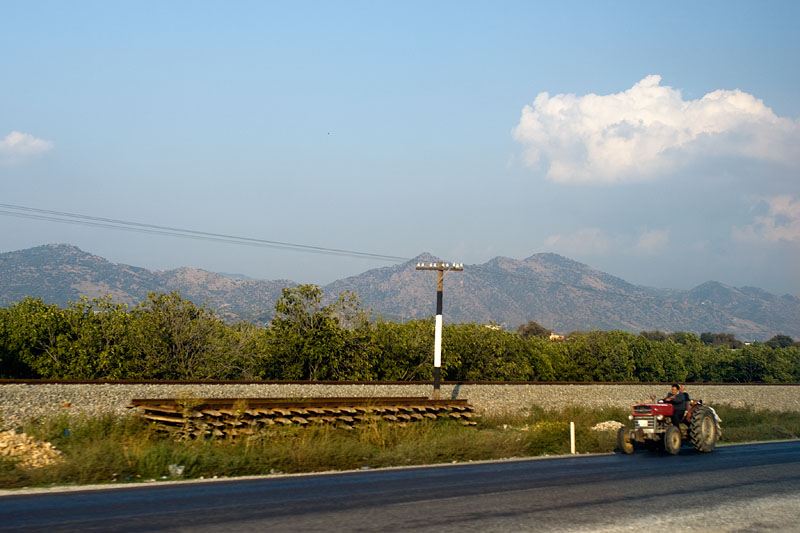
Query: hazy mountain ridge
{"points": [[559, 293], [61, 273], [565, 295]]}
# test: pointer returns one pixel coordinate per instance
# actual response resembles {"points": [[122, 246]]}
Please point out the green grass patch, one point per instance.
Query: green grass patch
{"points": [[111, 449], [747, 425]]}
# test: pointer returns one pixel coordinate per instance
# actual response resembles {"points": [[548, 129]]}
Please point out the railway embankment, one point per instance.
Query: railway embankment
{"points": [[25, 400]]}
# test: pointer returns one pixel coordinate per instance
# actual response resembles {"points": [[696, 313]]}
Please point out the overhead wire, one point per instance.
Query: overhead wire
{"points": [[154, 229], [110, 223]]}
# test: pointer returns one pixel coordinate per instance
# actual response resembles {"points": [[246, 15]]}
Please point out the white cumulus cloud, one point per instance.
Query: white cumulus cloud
{"points": [[648, 130], [780, 223], [17, 147]]}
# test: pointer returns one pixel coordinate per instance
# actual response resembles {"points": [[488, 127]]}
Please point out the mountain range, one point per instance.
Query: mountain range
{"points": [[557, 292]]}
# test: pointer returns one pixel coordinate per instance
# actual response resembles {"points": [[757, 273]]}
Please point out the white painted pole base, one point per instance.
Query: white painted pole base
{"points": [[572, 438]]}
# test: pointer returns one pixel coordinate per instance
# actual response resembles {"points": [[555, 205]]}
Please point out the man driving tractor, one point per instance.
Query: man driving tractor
{"points": [[679, 399]]}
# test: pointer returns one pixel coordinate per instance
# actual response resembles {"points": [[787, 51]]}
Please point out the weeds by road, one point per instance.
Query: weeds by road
{"points": [[108, 449]]}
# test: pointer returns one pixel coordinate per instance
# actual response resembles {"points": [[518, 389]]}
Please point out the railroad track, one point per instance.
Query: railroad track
{"points": [[233, 417]]}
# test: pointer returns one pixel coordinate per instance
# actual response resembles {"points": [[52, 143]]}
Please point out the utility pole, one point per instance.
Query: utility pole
{"points": [[437, 346]]}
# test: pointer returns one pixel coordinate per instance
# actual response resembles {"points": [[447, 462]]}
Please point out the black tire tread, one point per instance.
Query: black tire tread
{"points": [[666, 439], [624, 444], [699, 440]]}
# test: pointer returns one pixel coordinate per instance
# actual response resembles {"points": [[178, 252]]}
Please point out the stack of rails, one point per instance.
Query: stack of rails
{"points": [[242, 416]]}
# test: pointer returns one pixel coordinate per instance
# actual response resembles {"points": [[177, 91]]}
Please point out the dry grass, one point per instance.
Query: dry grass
{"points": [[109, 449]]}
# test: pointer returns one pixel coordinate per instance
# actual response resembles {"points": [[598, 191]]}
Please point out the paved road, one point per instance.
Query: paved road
{"points": [[736, 488]]}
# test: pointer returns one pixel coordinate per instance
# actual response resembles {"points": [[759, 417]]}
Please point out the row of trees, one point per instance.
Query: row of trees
{"points": [[168, 337]]}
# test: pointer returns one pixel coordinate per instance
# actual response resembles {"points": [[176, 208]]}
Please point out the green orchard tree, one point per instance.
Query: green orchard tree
{"points": [[312, 341], [32, 334], [172, 338], [532, 329], [483, 353], [405, 350], [95, 345]]}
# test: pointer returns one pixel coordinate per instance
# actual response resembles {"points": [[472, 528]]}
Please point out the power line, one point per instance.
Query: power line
{"points": [[168, 231], [153, 229]]}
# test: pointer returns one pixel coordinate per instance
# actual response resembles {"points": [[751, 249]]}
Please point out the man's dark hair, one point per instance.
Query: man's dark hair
{"points": [[676, 386]]}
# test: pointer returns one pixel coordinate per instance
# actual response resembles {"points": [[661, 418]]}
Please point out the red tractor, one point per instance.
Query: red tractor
{"points": [[652, 425]]}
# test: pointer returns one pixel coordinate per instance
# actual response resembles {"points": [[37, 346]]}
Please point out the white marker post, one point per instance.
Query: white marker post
{"points": [[572, 438]]}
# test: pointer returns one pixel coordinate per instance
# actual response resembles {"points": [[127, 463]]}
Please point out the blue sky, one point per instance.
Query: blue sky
{"points": [[659, 142]]}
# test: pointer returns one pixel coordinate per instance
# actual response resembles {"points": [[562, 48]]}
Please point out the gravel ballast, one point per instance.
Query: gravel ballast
{"points": [[19, 401]]}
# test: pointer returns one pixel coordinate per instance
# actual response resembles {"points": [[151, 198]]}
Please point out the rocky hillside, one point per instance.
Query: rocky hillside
{"points": [[61, 273], [559, 293], [564, 295]]}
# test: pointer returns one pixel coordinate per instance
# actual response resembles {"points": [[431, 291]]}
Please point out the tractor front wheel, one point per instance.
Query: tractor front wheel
{"points": [[624, 442], [672, 440]]}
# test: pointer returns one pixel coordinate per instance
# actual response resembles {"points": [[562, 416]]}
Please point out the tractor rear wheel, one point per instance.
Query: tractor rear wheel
{"points": [[624, 442], [703, 430], [672, 440]]}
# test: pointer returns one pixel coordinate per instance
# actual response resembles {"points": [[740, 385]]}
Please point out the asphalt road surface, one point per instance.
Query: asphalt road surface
{"points": [[736, 488]]}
